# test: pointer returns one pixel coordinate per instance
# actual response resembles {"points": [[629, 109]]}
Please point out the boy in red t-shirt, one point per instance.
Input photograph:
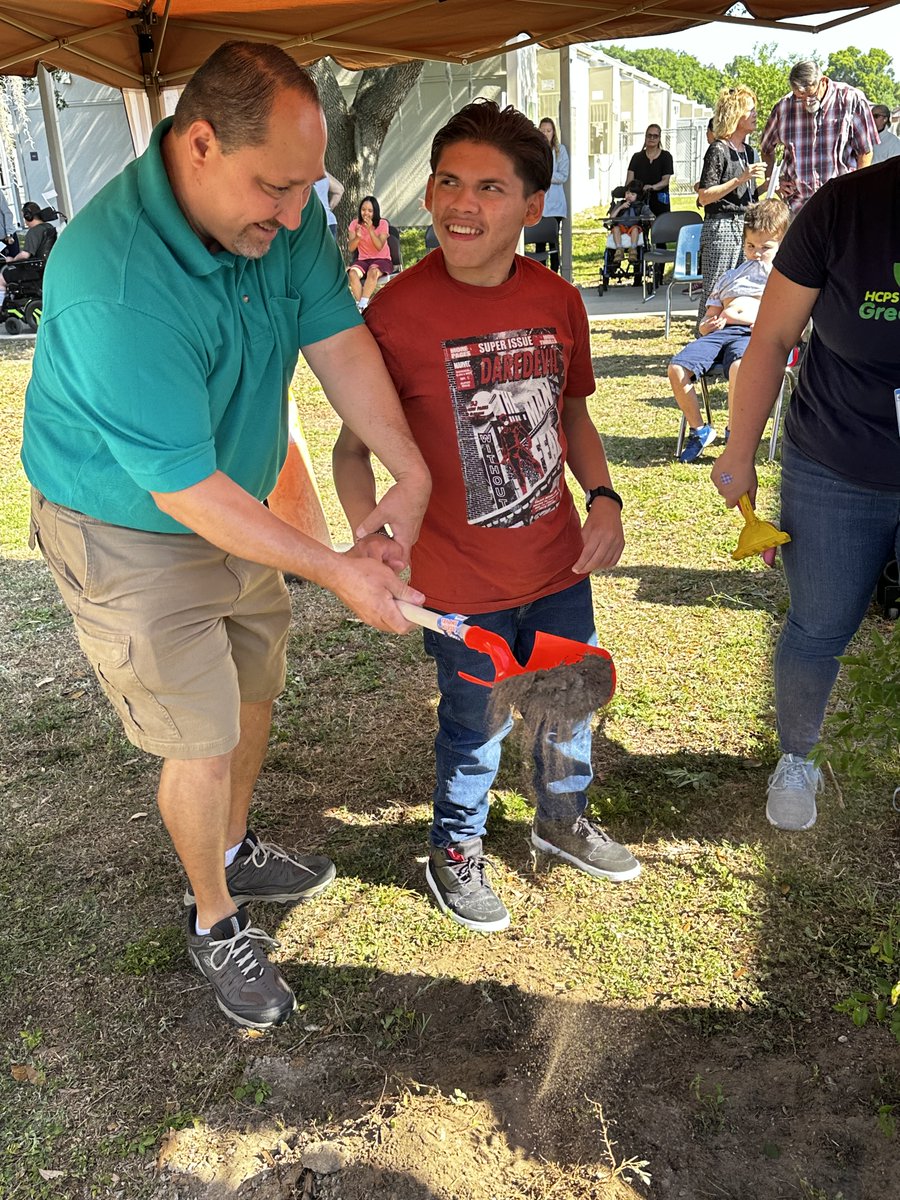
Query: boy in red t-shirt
{"points": [[490, 354]]}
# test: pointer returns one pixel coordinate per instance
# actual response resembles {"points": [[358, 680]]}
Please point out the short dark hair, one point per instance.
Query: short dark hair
{"points": [[881, 110], [376, 209], [31, 211], [507, 130], [235, 89], [770, 216]]}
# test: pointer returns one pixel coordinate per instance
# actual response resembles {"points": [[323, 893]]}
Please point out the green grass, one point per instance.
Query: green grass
{"points": [[15, 368], [729, 951]]}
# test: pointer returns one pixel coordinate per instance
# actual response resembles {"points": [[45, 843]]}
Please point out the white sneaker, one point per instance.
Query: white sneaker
{"points": [[793, 786]]}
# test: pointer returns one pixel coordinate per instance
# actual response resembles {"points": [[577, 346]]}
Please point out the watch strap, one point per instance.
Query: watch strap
{"points": [[592, 495]]}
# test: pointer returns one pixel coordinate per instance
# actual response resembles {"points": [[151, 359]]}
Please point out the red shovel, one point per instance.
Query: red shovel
{"points": [[549, 650]]}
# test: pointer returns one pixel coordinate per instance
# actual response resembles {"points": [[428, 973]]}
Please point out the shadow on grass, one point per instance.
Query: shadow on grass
{"points": [[642, 451], [751, 589], [664, 399], [629, 366], [654, 333]]}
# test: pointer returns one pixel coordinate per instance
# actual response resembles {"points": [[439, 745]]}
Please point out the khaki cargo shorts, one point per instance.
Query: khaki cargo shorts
{"points": [[178, 632]]}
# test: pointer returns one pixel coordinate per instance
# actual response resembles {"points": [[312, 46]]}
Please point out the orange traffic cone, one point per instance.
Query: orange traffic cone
{"points": [[296, 497]]}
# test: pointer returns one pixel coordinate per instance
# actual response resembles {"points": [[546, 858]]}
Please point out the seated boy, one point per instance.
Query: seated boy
{"points": [[627, 215], [491, 357], [728, 322]]}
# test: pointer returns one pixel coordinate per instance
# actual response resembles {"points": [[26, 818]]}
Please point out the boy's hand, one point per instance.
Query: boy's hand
{"points": [[602, 537], [401, 508], [383, 548], [708, 324]]}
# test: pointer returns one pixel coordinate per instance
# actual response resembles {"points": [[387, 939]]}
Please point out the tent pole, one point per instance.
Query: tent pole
{"points": [[54, 142], [154, 99], [150, 48], [565, 137]]}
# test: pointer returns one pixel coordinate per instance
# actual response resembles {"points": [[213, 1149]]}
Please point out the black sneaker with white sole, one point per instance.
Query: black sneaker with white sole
{"points": [[585, 846], [457, 878], [263, 871], [248, 988]]}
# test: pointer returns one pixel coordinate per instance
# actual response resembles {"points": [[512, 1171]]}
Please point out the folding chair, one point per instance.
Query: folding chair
{"points": [[396, 255], [687, 264], [666, 228], [546, 231], [431, 242], [787, 386]]}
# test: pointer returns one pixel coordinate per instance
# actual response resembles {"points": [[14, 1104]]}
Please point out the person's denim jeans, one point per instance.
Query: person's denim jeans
{"points": [[842, 535], [467, 751]]}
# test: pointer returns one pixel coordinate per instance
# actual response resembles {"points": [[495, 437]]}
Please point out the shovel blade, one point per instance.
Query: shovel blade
{"points": [[492, 644], [551, 651]]}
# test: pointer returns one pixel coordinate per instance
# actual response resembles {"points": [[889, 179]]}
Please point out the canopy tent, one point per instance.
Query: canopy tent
{"points": [[153, 44]]}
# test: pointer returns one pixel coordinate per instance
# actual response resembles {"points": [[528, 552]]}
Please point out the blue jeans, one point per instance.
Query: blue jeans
{"points": [[841, 537], [467, 751]]}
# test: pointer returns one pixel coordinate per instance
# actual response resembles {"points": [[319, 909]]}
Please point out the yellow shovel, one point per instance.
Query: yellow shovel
{"points": [[757, 535]]}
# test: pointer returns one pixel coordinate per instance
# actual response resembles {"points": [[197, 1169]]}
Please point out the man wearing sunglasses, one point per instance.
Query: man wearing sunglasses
{"points": [[889, 145], [826, 129]]}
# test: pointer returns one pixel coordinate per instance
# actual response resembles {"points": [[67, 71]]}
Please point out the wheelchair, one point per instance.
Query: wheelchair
{"points": [[22, 304], [627, 268]]}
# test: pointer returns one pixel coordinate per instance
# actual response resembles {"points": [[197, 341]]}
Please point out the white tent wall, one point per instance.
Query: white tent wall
{"points": [[94, 132]]}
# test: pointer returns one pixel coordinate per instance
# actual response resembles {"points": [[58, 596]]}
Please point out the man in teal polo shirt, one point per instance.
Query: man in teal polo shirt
{"points": [[156, 423]]}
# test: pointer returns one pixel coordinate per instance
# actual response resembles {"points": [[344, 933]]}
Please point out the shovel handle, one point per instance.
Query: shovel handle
{"points": [[747, 510], [452, 625]]}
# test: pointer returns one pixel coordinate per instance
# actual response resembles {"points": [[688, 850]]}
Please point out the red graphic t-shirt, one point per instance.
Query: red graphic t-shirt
{"points": [[482, 374]]}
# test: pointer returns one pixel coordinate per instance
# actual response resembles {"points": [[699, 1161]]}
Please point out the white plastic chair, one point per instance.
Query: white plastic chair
{"points": [[687, 264]]}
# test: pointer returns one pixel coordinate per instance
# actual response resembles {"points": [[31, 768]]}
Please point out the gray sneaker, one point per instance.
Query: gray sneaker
{"points": [[263, 871], [247, 987], [585, 846], [457, 879], [791, 799]]}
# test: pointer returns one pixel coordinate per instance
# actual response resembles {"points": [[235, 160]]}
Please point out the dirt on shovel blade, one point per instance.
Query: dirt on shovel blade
{"points": [[559, 698]]}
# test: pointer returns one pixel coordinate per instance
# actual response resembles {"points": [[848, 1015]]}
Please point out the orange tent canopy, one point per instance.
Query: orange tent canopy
{"points": [[159, 43]]}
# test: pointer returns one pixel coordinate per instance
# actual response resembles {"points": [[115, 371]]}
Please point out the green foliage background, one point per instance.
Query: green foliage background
{"points": [[764, 70]]}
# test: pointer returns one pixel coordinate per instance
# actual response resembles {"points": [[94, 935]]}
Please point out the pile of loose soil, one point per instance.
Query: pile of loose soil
{"points": [[560, 698]]}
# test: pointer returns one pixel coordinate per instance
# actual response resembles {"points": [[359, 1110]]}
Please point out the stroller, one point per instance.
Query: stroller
{"points": [[626, 268], [20, 311]]}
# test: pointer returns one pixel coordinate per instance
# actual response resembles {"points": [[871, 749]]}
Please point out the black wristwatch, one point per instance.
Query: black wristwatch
{"points": [[592, 495]]}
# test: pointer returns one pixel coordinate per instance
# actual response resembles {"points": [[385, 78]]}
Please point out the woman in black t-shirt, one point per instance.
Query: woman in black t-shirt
{"points": [[840, 472], [728, 185], [652, 167]]}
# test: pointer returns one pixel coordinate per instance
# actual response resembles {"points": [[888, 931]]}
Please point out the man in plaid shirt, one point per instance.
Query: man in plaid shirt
{"points": [[826, 129]]}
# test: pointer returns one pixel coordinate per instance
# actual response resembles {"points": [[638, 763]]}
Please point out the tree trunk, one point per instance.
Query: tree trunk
{"points": [[356, 133]]}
